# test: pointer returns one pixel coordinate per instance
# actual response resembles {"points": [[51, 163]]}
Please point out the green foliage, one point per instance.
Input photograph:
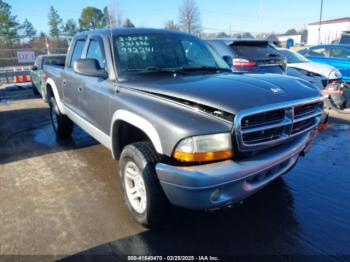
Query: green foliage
{"points": [[91, 18], [28, 29], [291, 32], [55, 23], [128, 23], [8, 24], [71, 27]]}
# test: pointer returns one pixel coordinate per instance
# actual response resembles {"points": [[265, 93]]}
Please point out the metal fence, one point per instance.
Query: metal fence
{"points": [[11, 70]]}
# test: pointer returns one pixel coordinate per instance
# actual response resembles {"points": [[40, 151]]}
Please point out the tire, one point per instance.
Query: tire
{"points": [[335, 108], [35, 90], [138, 160], [61, 124]]}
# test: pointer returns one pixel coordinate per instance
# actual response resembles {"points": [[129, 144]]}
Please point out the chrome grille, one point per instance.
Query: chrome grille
{"points": [[271, 125], [263, 119]]}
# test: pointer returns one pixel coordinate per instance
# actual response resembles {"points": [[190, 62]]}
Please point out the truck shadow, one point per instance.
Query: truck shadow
{"points": [[14, 92], [259, 226], [27, 133]]}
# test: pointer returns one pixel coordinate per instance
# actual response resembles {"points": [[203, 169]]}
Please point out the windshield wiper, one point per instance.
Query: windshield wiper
{"points": [[207, 68], [156, 69], [272, 55]]}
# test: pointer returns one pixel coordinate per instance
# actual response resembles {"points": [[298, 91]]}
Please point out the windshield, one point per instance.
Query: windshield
{"points": [[293, 57], [140, 53]]}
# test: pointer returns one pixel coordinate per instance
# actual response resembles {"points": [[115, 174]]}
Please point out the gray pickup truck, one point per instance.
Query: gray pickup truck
{"points": [[184, 128]]}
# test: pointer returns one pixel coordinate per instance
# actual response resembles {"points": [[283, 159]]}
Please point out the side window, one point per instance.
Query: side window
{"points": [[318, 52], [78, 50], [95, 51], [339, 53]]}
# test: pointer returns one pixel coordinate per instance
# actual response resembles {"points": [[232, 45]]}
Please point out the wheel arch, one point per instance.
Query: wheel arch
{"points": [[127, 128]]}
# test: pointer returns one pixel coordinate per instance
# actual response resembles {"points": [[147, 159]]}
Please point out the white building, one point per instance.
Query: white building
{"points": [[330, 30]]}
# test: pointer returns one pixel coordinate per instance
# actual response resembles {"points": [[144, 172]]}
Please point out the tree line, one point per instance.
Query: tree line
{"points": [[12, 31]]}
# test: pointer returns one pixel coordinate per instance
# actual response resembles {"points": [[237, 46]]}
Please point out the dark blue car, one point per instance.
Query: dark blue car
{"points": [[336, 55]]}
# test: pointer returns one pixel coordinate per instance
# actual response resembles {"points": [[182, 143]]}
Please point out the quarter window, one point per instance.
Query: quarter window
{"points": [[95, 51], [77, 52]]}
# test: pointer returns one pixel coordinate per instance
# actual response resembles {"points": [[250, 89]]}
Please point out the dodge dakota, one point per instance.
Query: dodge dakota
{"points": [[185, 129]]}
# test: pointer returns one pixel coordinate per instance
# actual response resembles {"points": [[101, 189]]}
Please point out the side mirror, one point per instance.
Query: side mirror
{"points": [[89, 67], [34, 68], [228, 60]]}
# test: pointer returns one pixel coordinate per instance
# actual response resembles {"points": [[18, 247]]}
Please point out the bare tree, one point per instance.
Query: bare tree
{"points": [[189, 17], [171, 25]]}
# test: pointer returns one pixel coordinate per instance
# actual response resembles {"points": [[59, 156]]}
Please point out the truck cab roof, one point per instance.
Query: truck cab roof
{"points": [[121, 31]]}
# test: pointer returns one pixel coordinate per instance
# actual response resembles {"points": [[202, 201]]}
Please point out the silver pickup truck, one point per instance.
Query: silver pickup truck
{"points": [[185, 129]]}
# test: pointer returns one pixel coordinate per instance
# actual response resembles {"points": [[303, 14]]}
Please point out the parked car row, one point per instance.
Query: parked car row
{"points": [[249, 56], [327, 73]]}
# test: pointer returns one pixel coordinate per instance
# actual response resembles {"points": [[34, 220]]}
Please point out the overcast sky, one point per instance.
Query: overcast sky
{"points": [[220, 15]]}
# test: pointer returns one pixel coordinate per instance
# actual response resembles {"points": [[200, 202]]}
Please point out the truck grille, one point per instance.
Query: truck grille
{"points": [[268, 126]]}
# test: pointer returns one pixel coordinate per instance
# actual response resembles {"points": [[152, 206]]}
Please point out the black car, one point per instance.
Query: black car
{"points": [[250, 56]]}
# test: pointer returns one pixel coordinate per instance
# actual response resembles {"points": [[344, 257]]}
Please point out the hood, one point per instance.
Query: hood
{"points": [[228, 92], [327, 71]]}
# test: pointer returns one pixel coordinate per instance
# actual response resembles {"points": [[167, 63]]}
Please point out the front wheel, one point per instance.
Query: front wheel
{"points": [[345, 109], [142, 192], [61, 124]]}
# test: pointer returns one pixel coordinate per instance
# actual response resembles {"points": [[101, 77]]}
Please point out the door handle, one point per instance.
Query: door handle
{"points": [[64, 83], [80, 89]]}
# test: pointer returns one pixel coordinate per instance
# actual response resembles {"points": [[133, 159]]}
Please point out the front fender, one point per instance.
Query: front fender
{"points": [[139, 122]]}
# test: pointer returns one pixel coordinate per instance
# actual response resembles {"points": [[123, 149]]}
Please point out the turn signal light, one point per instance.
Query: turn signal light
{"points": [[203, 156]]}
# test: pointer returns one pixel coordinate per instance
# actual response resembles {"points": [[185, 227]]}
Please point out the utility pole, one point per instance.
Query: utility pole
{"points": [[47, 45], [320, 24]]}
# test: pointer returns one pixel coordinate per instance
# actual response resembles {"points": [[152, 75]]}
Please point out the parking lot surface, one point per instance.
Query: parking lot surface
{"points": [[62, 197]]}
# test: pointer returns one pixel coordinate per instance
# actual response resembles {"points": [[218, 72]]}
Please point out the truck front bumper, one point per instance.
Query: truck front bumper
{"points": [[219, 184]]}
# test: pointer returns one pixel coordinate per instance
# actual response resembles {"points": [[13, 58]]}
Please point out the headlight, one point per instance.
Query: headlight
{"points": [[337, 74], [204, 148]]}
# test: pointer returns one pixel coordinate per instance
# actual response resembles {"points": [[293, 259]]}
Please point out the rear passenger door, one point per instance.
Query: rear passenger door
{"points": [[71, 81], [97, 91]]}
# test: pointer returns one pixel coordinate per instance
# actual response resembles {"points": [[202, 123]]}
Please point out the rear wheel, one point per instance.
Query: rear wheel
{"points": [[142, 192], [61, 124]]}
